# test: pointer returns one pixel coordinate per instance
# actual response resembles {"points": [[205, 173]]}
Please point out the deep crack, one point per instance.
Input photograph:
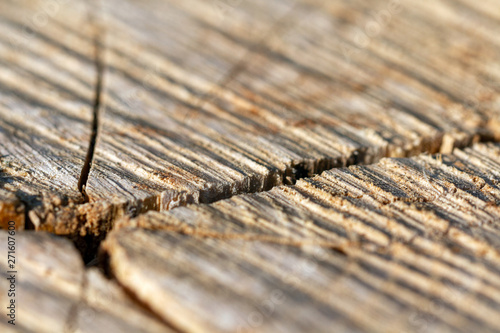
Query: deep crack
{"points": [[96, 107], [293, 173]]}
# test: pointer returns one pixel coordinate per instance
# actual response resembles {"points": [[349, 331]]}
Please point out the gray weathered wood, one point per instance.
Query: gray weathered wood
{"points": [[55, 293], [202, 103], [46, 91], [195, 102], [402, 245]]}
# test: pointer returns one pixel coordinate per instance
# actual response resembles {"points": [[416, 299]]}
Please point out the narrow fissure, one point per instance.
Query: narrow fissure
{"points": [[96, 106], [293, 173]]}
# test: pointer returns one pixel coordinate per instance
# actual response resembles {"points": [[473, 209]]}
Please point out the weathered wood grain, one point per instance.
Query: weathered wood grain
{"points": [[408, 244], [196, 101], [46, 91], [55, 293], [201, 103]]}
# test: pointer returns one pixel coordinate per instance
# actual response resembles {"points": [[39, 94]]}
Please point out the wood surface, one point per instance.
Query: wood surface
{"points": [[56, 293], [408, 244], [47, 79], [264, 95], [337, 160], [199, 103]]}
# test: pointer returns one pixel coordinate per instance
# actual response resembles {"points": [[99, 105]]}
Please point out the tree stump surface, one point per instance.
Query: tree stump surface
{"points": [[252, 166]]}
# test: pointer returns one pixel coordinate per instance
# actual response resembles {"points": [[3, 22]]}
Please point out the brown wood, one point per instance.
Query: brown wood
{"points": [[264, 95], [405, 245], [11, 209], [249, 112], [46, 78], [204, 101]]}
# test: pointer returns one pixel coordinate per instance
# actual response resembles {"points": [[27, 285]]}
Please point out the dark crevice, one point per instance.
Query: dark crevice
{"points": [[294, 172], [88, 246], [96, 107], [28, 224]]}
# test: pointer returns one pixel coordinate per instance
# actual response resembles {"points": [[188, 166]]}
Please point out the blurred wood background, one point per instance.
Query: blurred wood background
{"points": [[252, 166]]}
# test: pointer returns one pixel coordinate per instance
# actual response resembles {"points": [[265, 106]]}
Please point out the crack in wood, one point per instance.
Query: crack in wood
{"points": [[294, 170], [96, 107], [301, 173]]}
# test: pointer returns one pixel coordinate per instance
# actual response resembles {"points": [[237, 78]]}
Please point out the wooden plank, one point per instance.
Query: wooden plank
{"points": [[404, 245], [47, 78], [267, 93], [55, 293]]}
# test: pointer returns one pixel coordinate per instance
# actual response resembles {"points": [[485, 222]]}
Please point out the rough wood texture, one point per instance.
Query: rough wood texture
{"points": [[204, 100], [54, 292], [46, 91], [109, 109], [264, 93], [402, 245]]}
